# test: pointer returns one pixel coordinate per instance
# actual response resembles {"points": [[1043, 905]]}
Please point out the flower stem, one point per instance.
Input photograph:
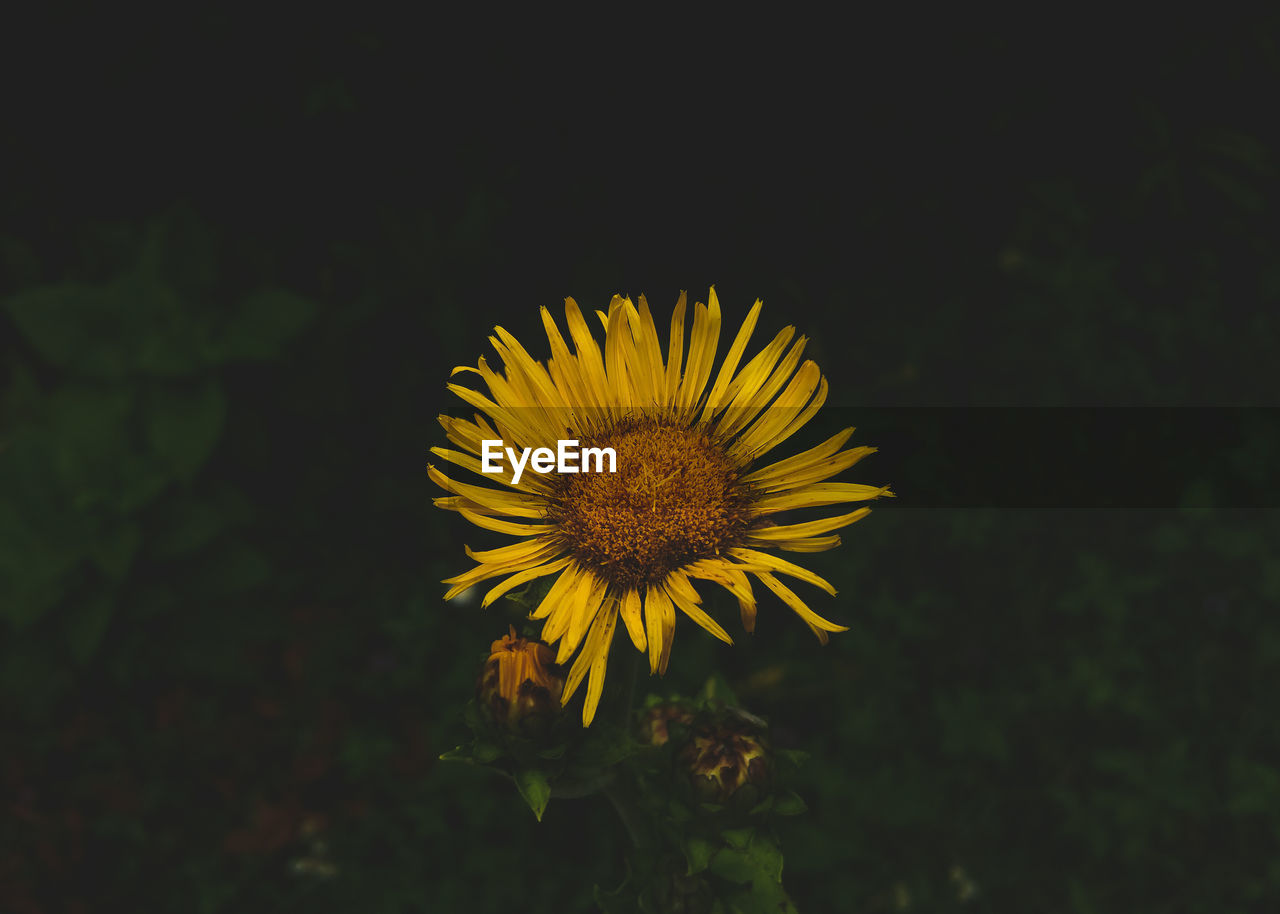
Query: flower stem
{"points": [[632, 674], [628, 813], [617, 791]]}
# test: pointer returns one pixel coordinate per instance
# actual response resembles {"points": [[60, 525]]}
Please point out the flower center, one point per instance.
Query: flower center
{"points": [[673, 500]]}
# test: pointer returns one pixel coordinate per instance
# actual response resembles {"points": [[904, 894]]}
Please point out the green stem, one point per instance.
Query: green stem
{"points": [[585, 787], [617, 791], [628, 813], [631, 675]]}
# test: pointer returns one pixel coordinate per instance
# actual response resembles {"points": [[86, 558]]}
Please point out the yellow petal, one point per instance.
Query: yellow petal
{"points": [[456, 502], [633, 617], [797, 471], [818, 495], [717, 399], [572, 595], [532, 483], [564, 370], [773, 563], [757, 371], [748, 402], [617, 352], [732, 578], [511, 504], [513, 552], [817, 472], [504, 526], [556, 596], [649, 356], [461, 432], [792, 410], [679, 589], [584, 613], [483, 572], [808, 544], [801, 609], [579, 669], [604, 626], [675, 351], [519, 361], [522, 577], [702, 351], [660, 624], [590, 364], [808, 528]]}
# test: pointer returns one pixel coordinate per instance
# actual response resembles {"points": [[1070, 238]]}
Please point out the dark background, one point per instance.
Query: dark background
{"points": [[238, 260]]}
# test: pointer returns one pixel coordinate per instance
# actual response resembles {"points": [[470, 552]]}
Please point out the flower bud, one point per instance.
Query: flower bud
{"points": [[728, 761], [654, 722], [520, 685]]}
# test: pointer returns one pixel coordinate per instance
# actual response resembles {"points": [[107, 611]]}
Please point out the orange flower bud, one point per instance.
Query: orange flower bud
{"points": [[520, 682]]}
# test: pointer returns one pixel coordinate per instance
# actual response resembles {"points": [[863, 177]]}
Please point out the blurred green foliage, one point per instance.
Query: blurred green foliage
{"points": [[226, 673], [102, 459]]}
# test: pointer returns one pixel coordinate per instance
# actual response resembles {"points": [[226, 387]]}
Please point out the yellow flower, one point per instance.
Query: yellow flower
{"points": [[688, 500]]}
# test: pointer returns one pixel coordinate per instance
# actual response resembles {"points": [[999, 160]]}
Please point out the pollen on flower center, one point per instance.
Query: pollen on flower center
{"points": [[673, 500]]}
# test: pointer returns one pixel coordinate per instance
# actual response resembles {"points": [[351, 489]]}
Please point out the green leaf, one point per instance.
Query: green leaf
{"points": [[604, 747], [32, 677], [134, 324], [698, 852], [761, 898], [788, 803], [35, 567], [471, 716], [457, 754], [758, 863], [186, 521], [263, 321], [182, 426], [536, 790], [85, 623], [621, 901], [19, 262], [796, 757], [678, 812], [61, 321], [233, 567], [717, 688], [738, 837], [477, 752], [734, 865], [113, 553], [530, 595], [95, 459]]}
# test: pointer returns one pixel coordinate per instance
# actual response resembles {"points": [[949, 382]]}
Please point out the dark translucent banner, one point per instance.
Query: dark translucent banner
{"points": [[1070, 457], [1020, 457]]}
